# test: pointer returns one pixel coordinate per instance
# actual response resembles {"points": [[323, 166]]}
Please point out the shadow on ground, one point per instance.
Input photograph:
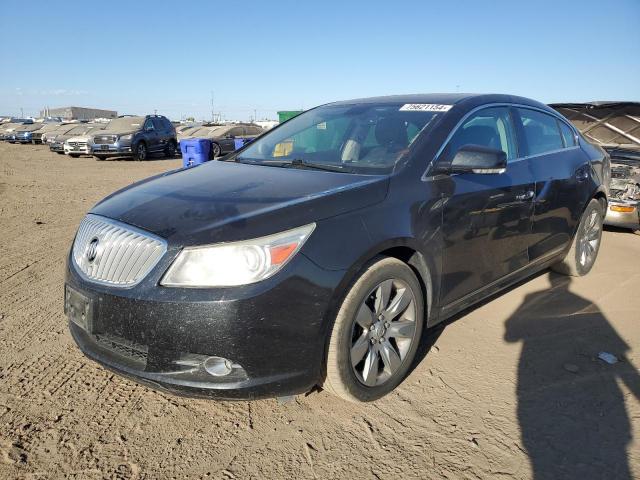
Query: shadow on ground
{"points": [[571, 407]]}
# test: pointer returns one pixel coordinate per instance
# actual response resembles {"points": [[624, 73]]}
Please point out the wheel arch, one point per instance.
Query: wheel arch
{"points": [[402, 249]]}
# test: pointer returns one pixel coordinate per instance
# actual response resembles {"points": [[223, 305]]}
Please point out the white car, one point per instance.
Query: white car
{"points": [[76, 146]]}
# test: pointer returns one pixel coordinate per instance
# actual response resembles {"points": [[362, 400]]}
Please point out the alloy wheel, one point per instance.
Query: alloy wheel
{"points": [[142, 152], [383, 332], [588, 244]]}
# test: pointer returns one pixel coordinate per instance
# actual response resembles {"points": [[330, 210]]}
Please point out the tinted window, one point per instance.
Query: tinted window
{"points": [[567, 135], [157, 123], [237, 131], [541, 131], [490, 127], [148, 124]]}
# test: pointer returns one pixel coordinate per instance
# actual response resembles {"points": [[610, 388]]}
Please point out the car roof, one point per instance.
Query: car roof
{"points": [[598, 104], [448, 99]]}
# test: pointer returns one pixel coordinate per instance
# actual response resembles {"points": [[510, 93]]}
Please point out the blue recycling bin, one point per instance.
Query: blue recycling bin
{"points": [[241, 142], [195, 151]]}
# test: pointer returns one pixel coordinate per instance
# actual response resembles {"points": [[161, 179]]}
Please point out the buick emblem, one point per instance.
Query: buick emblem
{"points": [[92, 249]]}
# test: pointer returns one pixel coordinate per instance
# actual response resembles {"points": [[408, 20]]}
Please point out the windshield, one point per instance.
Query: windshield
{"points": [[66, 128], [77, 130], [200, 131], [125, 123], [364, 138]]}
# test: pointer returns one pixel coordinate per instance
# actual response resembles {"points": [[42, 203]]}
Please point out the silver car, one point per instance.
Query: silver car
{"points": [[615, 126]]}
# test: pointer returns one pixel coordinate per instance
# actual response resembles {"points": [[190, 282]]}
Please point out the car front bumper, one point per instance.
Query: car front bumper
{"points": [[112, 150], [630, 219], [83, 150], [273, 332], [56, 147]]}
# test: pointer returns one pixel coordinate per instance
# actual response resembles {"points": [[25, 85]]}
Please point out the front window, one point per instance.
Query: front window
{"points": [[489, 127], [365, 138]]}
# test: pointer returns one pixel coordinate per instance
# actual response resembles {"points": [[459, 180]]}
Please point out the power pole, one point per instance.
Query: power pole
{"points": [[21, 112], [213, 115]]}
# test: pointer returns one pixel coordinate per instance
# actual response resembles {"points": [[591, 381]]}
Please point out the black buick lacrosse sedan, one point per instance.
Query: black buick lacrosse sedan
{"points": [[320, 253]]}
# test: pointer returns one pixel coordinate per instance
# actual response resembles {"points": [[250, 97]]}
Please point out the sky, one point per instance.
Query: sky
{"points": [[258, 57]]}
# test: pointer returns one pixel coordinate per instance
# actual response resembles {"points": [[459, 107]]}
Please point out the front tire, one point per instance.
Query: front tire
{"points": [[586, 243], [140, 153], [99, 157], [74, 155], [376, 333]]}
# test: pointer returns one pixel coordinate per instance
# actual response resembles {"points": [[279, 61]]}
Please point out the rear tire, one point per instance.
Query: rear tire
{"points": [[376, 333], [170, 150], [586, 243]]}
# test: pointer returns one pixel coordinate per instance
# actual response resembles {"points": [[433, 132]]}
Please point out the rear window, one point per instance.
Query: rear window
{"points": [[567, 135], [541, 131]]}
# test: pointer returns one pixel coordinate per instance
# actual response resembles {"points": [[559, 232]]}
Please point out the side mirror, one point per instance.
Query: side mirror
{"points": [[479, 159]]}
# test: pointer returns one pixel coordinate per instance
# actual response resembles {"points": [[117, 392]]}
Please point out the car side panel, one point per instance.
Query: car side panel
{"points": [[562, 189]]}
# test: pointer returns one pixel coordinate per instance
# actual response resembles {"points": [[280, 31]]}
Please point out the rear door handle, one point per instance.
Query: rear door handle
{"points": [[525, 196]]}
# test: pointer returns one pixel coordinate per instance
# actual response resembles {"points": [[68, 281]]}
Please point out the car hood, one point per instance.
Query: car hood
{"points": [[114, 132], [612, 125], [222, 201], [61, 138], [78, 138]]}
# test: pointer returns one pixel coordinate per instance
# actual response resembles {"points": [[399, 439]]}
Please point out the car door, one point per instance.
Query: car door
{"points": [[560, 170], [150, 135], [486, 217], [161, 133]]}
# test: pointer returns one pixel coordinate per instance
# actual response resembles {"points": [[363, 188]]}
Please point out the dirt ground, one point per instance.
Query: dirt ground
{"points": [[511, 389]]}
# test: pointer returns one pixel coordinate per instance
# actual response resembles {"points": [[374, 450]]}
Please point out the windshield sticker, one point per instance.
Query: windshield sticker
{"points": [[424, 107]]}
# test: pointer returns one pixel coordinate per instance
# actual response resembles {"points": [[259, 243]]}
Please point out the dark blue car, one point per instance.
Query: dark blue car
{"points": [[319, 253]]}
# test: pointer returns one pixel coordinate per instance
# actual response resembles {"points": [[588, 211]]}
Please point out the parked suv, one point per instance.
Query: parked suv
{"points": [[135, 137], [318, 253]]}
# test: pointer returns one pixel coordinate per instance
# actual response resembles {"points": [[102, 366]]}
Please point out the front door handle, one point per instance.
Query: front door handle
{"points": [[525, 196]]}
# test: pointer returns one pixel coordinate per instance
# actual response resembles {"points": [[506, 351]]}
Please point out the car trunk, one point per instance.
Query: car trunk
{"points": [[615, 126]]}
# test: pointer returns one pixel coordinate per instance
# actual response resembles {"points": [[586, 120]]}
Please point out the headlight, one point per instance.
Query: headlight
{"points": [[125, 137], [235, 263]]}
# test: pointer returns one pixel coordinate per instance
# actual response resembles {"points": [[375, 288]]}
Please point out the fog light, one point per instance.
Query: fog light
{"points": [[217, 366], [622, 209]]}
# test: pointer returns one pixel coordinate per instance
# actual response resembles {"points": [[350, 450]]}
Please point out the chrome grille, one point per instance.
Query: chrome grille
{"points": [[112, 253], [100, 139]]}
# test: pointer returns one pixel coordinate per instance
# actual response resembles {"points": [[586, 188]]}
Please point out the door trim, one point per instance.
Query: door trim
{"points": [[506, 278]]}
